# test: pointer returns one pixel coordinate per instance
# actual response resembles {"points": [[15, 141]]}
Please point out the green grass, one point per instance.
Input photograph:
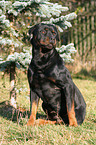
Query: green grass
{"points": [[17, 133]]}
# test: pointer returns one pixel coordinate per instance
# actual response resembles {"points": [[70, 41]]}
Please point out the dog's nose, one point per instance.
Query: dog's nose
{"points": [[51, 40]]}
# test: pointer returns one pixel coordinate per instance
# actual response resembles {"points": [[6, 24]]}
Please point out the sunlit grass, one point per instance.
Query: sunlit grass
{"points": [[13, 133]]}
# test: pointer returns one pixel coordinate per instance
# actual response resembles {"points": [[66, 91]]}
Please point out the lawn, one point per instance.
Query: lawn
{"points": [[13, 129]]}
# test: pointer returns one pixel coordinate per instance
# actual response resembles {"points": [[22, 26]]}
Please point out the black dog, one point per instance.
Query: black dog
{"points": [[50, 80]]}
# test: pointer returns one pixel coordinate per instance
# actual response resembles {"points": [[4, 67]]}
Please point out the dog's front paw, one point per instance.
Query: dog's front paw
{"points": [[73, 123], [31, 122]]}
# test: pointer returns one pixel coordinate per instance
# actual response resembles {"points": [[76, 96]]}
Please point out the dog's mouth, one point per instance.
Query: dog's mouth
{"points": [[45, 49]]}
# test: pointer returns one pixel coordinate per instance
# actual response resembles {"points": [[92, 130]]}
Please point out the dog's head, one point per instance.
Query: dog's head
{"points": [[44, 35]]}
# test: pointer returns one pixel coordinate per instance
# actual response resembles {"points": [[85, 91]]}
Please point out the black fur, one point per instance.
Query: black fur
{"points": [[50, 80]]}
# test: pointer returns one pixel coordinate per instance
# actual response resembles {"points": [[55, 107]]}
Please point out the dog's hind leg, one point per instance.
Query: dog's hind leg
{"points": [[34, 100], [69, 94]]}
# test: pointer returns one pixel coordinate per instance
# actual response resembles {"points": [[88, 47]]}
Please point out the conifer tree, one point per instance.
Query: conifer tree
{"points": [[15, 50]]}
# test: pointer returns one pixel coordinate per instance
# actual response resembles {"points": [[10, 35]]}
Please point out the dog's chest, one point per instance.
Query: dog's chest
{"points": [[45, 88]]}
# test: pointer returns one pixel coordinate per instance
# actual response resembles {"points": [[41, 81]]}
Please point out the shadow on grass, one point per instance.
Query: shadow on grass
{"points": [[15, 115], [84, 74]]}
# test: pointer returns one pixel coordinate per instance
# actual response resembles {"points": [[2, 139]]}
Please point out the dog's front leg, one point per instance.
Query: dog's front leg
{"points": [[34, 100]]}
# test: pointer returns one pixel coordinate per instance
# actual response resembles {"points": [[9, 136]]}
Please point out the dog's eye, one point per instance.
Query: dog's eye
{"points": [[46, 29], [53, 32], [43, 32]]}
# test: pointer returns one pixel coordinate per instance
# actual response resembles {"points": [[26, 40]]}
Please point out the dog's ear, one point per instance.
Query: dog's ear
{"points": [[57, 36], [31, 30]]}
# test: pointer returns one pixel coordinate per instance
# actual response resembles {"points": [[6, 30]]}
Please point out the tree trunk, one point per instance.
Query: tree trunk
{"points": [[12, 85]]}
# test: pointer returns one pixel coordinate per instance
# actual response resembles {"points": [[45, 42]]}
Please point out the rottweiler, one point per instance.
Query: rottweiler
{"points": [[51, 81]]}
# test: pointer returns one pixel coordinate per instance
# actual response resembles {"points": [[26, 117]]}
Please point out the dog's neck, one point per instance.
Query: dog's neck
{"points": [[43, 61]]}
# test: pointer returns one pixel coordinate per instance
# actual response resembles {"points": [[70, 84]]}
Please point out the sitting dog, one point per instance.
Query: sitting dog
{"points": [[50, 80]]}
